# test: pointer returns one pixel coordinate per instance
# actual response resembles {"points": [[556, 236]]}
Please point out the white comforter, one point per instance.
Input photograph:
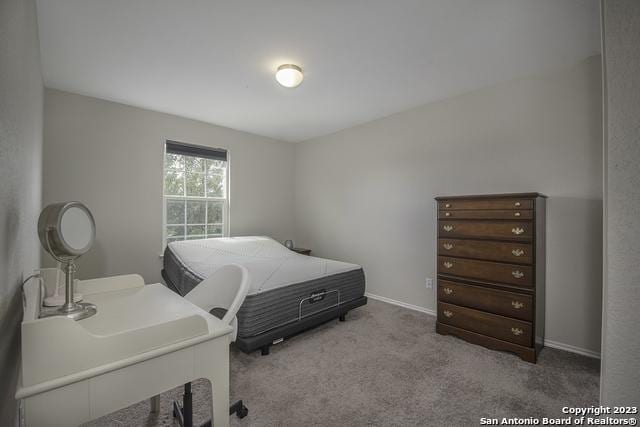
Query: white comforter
{"points": [[270, 264]]}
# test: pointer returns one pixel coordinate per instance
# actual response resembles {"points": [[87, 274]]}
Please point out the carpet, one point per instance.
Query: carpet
{"points": [[386, 366]]}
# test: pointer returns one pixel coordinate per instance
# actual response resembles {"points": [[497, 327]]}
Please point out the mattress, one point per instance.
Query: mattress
{"points": [[285, 286]]}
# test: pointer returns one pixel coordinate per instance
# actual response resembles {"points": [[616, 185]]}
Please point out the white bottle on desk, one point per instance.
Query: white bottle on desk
{"points": [[53, 279]]}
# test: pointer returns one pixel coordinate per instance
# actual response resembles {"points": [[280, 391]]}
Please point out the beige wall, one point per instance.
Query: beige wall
{"points": [[620, 374], [365, 194], [21, 98], [109, 156]]}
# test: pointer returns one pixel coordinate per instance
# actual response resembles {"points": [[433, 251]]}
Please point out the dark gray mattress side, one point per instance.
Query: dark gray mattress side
{"points": [[180, 276], [267, 310]]}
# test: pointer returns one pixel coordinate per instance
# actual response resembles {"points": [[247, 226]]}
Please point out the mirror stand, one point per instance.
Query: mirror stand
{"points": [[72, 310]]}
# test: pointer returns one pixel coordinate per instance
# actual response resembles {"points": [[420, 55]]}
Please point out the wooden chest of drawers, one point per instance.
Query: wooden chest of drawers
{"points": [[491, 270]]}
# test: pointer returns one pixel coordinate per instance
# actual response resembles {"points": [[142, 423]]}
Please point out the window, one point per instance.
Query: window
{"points": [[196, 203]]}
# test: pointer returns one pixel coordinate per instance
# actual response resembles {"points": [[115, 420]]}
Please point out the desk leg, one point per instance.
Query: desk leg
{"points": [[219, 377], [212, 363], [220, 404]]}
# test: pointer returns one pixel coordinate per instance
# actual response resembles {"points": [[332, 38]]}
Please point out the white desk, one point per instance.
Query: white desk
{"points": [[144, 340]]}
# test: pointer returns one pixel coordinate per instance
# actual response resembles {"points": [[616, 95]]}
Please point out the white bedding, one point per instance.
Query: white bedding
{"points": [[270, 264]]}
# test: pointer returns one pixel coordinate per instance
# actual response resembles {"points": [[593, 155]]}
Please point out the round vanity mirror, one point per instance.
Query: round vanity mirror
{"points": [[67, 230], [77, 229]]}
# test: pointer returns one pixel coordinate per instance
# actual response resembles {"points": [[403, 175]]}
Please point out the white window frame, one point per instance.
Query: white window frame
{"points": [[225, 200]]}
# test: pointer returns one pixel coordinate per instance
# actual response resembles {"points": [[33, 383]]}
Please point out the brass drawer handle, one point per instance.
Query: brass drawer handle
{"points": [[447, 205], [447, 214], [517, 274], [517, 204], [447, 246], [517, 231], [447, 313], [516, 331], [448, 291], [517, 252], [517, 304], [448, 227], [447, 264], [516, 214]]}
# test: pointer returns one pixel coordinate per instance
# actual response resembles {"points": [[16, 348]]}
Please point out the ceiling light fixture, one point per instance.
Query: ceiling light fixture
{"points": [[289, 75]]}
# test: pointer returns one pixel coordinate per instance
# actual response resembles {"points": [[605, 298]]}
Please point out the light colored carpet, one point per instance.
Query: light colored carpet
{"points": [[386, 366]]}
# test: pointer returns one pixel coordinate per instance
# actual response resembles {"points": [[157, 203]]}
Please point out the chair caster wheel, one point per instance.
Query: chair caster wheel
{"points": [[242, 412], [239, 409]]}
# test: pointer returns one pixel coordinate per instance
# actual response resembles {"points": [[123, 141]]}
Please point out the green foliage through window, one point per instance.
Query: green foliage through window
{"points": [[195, 197]]}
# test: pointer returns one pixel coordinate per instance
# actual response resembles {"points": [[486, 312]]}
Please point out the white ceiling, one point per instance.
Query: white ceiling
{"points": [[215, 60]]}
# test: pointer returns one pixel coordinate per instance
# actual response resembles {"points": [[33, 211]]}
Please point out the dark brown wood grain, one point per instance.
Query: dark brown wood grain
{"points": [[518, 214], [493, 196], [519, 275], [527, 354], [490, 230], [482, 204], [511, 304], [493, 325], [487, 263], [518, 253], [302, 251]]}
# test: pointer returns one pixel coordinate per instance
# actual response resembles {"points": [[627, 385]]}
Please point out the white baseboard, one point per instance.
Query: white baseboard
{"points": [[547, 343], [401, 304], [572, 349]]}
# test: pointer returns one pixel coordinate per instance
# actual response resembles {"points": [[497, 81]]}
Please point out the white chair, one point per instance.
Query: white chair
{"points": [[220, 294]]}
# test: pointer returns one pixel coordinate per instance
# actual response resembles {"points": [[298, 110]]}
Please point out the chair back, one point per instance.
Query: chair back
{"points": [[226, 288]]}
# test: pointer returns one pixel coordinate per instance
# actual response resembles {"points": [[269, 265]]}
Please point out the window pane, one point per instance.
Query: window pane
{"points": [[196, 212], [214, 230], [214, 212], [201, 180], [175, 230], [195, 184], [195, 230], [194, 164], [216, 166], [174, 183], [174, 161], [175, 211], [215, 185]]}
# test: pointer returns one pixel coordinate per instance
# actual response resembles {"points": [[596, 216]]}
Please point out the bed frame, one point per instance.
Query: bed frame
{"points": [[265, 340]]}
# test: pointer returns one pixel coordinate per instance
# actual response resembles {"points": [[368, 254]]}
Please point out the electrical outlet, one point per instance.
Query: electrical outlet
{"points": [[429, 283]]}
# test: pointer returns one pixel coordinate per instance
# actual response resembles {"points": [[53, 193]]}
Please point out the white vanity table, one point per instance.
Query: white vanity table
{"points": [[144, 340]]}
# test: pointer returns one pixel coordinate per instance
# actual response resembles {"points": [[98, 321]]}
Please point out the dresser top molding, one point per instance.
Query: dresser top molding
{"points": [[494, 196]]}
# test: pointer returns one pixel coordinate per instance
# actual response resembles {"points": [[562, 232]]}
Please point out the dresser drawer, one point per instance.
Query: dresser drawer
{"points": [[505, 303], [485, 214], [518, 275], [506, 230], [504, 328], [487, 250], [481, 204]]}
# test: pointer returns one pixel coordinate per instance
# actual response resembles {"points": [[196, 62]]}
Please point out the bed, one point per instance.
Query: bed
{"points": [[289, 292]]}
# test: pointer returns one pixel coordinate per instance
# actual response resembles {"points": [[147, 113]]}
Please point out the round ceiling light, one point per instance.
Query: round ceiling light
{"points": [[289, 75]]}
